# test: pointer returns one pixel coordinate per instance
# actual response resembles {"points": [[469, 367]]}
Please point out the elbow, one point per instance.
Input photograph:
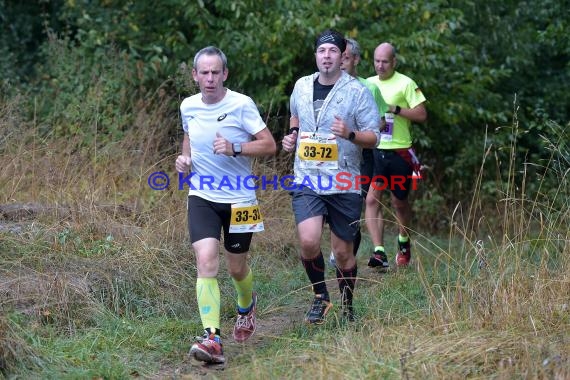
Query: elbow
{"points": [[372, 142], [270, 148]]}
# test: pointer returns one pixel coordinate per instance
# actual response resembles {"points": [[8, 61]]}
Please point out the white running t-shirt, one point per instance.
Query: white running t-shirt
{"points": [[217, 177]]}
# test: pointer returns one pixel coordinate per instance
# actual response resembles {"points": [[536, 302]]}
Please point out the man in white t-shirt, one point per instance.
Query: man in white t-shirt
{"points": [[222, 131]]}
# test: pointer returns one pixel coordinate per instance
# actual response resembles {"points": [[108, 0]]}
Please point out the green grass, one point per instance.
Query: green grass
{"points": [[101, 283], [431, 320], [114, 348]]}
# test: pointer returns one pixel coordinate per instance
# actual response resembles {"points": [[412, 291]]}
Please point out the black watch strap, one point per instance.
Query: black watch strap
{"points": [[236, 148], [351, 136], [397, 110]]}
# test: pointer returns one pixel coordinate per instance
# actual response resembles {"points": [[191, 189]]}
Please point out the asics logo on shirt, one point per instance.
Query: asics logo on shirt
{"points": [[222, 116]]}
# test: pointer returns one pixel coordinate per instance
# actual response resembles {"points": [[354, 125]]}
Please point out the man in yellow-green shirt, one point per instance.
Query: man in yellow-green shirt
{"points": [[393, 156], [350, 60]]}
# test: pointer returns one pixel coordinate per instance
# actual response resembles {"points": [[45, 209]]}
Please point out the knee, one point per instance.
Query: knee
{"points": [[371, 201], [237, 265], [207, 268], [343, 254], [309, 245], [237, 271], [347, 262]]}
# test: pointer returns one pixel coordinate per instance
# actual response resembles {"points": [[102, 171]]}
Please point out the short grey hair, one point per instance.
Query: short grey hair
{"points": [[211, 50], [354, 46]]}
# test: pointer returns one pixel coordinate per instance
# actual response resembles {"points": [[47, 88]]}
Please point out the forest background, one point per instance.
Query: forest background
{"points": [[479, 65]]}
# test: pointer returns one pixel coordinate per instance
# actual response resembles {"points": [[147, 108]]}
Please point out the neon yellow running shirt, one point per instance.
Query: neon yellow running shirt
{"points": [[380, 103], [398, 90]]}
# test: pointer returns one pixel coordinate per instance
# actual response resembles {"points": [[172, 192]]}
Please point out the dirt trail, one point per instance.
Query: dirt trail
{"points": [[271, 322], [270, 326]]}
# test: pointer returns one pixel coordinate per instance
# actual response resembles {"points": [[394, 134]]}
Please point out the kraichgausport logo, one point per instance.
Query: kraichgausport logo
{"points": [[342, 181]]}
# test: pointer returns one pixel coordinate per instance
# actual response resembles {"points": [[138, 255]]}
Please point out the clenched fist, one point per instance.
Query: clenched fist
{"points": [[183, 163]]}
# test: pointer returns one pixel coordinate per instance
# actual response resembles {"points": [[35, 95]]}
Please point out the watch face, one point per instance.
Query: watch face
{"points": [[237, 148]]}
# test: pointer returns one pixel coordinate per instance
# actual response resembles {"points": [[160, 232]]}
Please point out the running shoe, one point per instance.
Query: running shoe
{"points": [[404, 254], [319, 309], [208, 349], [245, 323], [379, 260]]}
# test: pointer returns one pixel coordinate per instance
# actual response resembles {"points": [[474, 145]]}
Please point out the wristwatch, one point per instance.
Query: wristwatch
{"points": [[236, 147], [397, 110], [351, 136]]}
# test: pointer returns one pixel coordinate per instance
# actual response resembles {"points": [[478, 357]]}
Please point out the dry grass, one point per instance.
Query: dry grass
{"points": [[497, 300], [95, 242], [82, 234]]}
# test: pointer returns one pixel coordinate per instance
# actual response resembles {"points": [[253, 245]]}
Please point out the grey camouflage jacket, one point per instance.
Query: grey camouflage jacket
{"points": [[355, 104]]}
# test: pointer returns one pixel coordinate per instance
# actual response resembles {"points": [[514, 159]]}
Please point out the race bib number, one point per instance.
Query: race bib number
{"points": [[246, 217], [388, 131], [318, 150]]}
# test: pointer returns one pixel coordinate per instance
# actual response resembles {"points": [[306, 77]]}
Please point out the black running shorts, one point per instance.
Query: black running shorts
{"points": [[392, 172], [206, 219], [341, 210]]}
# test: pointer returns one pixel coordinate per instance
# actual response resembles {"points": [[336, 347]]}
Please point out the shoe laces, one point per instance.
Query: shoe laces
{"points": [[244, 321], [205, 337], [318, 305]]}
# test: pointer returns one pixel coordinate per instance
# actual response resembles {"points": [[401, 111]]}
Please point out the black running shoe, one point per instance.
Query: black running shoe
{"points": [[378, 260], [319, 309]]}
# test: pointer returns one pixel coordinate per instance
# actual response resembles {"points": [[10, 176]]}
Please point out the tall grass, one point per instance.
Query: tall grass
{"points": [[490, 301], [83, 238]]}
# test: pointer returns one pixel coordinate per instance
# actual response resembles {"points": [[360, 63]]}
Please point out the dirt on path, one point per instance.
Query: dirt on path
{"points": [[270, 326]]}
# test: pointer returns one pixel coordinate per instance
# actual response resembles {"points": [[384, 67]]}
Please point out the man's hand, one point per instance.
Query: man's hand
{"points": [[222, 146], [183, 164], [338, 128], [290, 142]]}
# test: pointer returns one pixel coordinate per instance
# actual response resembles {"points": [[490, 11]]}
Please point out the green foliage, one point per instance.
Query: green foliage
{"points": [[526, 38], [153, 35], [86, 96], [93, 63], [23, 25]]}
